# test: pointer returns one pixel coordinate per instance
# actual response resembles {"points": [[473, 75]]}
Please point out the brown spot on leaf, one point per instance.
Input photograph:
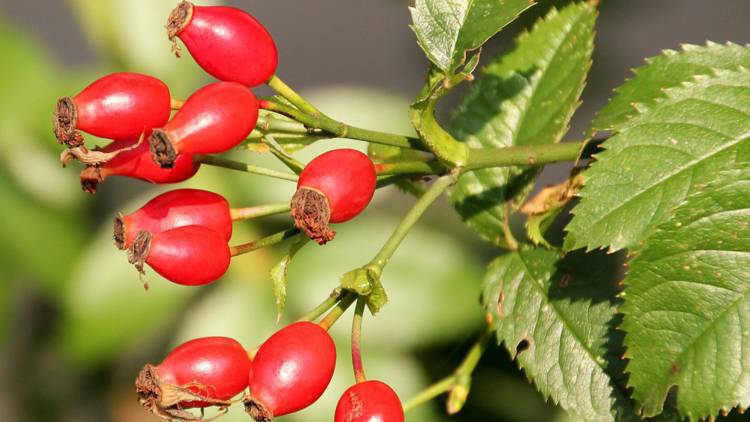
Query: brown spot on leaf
{"points": [[523, 346]]}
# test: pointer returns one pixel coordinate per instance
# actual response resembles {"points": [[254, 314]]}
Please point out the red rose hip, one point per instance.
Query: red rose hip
{"points": [[138, 164], [188, 255], [214, 119], [118, 106], [369, 401], [177, 208], [334, 187], [203, 372], [290, 371], [226, 42]]}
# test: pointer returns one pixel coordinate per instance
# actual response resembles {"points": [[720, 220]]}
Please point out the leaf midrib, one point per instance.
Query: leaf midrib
{"points": [[669, 175]]}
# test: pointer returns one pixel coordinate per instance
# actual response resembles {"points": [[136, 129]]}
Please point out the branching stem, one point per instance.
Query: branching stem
{"points": [[264, 242], [213, 160]]}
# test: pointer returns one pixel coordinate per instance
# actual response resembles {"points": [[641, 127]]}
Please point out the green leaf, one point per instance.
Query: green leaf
{"points": [[525, 97], [659, 157], [687, 304], [366, 282], [279, 275], [668, 70], [555, 316], [447, 29]]}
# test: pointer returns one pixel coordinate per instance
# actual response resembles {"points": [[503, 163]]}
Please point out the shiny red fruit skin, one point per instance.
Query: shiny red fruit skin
{"points": [[123, 105], [177, 208], [138, 164], [214, 119], [346, 177], [218, 363], [230, 45], [189, 255], [369, 401], [292, 369]]}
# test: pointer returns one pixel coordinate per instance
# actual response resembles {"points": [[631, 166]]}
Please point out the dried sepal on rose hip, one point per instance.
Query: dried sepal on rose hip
{"points": [[121, 105], [290, 371], [133, 160], [228, 43], [177, 208], [187, 255], [214, 119], [203, 372], [334, 187], [369, 401]]}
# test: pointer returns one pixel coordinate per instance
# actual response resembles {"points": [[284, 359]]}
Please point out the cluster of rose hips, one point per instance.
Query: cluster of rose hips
{"points": [[287, 373], [183, 234]]}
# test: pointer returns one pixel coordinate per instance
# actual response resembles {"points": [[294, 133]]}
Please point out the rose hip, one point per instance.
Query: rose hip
{"points": [[214, 119], [226, 42], [202, 372], [177, 208], [188, 255], [369, 401], [334, 187], [118, 106], [138, 164], [290, 371]]}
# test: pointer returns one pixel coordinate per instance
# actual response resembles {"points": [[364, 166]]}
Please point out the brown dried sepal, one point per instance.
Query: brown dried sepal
{"points": [[177, 21], [118, 231], [257, 410], [91, 176], [66, 119], [554, 196], [162, 149], [138, 253], [312, 213], [164, 399], [93, 157]]}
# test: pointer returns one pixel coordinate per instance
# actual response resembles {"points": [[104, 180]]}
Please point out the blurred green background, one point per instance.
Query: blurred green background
{"points": [[75, 322]]}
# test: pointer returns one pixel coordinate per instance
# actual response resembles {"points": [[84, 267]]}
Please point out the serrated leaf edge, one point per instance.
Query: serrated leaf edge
{"points": [[667, 96], [635, 72], [615, 387]]}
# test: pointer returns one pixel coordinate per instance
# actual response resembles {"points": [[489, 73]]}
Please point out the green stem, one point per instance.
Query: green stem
{"points": [[263, 242], [398, 235], [319, 310], [475, 353], [465, 368], [343, 130], [213, 160], [292, 96], [429, 393], [359, 369], [410, 167], [339, 310], [289, 161], [268, 123], [258, 211], [526, 155]]}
